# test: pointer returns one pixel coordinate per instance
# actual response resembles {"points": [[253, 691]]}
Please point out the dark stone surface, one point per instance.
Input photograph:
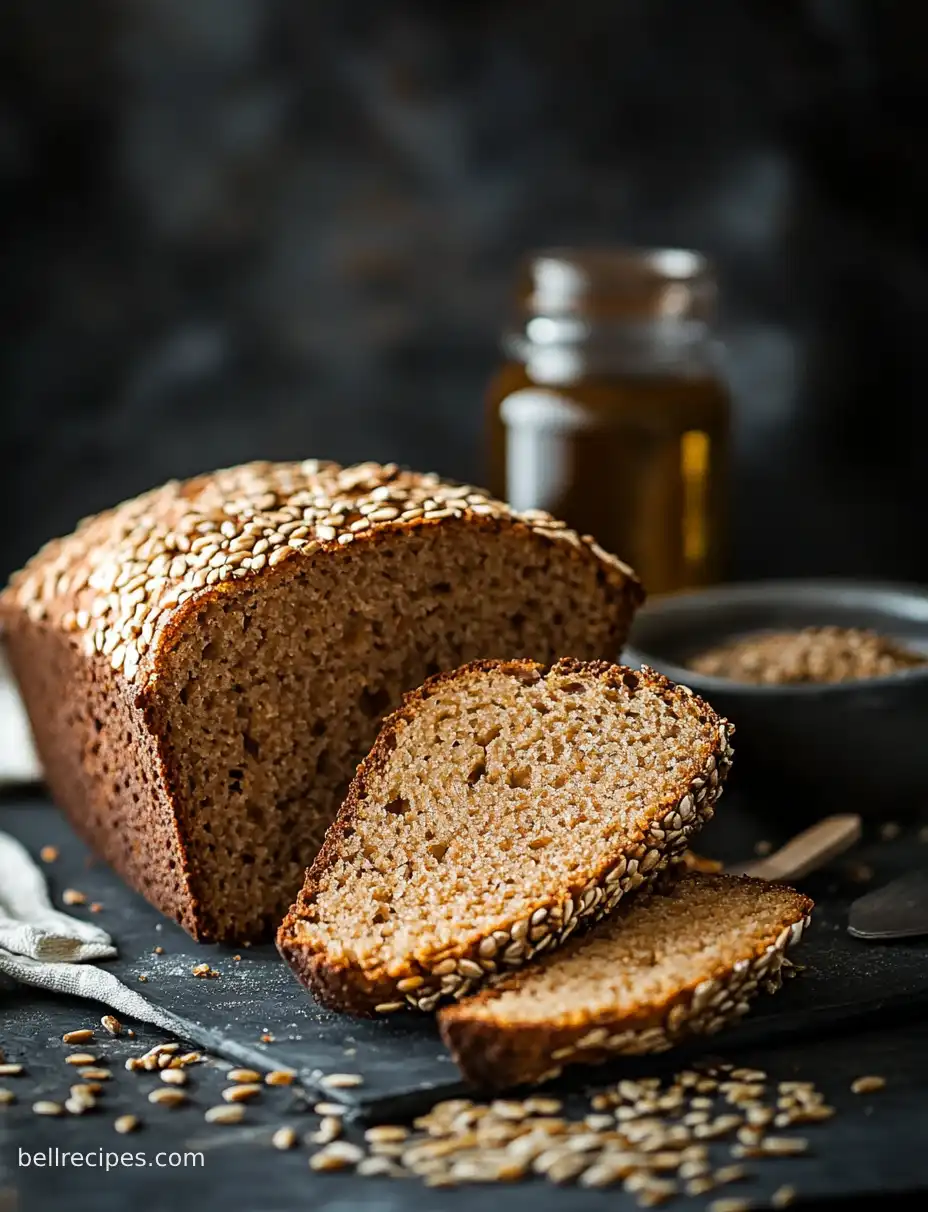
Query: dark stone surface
{"points": [[804, 1033], [242, 228]]}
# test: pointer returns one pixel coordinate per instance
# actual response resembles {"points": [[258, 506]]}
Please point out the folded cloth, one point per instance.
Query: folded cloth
{"points": [[41, 946]]}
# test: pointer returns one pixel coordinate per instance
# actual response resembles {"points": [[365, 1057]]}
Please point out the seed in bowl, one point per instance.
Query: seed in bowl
{"points": [[812, 655]]}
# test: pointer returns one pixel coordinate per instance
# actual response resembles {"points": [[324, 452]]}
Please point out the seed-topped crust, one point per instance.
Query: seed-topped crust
{"points": [[125, 579], [426, 979], [495, 1044]]}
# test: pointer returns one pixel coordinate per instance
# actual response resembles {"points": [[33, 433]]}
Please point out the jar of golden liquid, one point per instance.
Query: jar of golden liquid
{"points": [[611, 410]]}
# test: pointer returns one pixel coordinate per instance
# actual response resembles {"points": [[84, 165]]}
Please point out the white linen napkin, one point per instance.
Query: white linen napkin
{"points": [[41, 946]]}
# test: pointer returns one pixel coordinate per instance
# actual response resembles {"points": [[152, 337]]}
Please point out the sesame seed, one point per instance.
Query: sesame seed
{"points": [[10, 1070], [336, 1156], [6, 1097], [127, 1123], [329, 1129], [71, 896], [48, 854], [241, 1094], [341, 1081], [279, 1077], [84, 1036], [868, 1085], [174, 1077], [228, 1114], [44, 1107], [96, 1075], [110, 1023], [284, 1138], [168, 1098], [80, 1058], [783, 1197], [329, 1109], [247, 1076]]}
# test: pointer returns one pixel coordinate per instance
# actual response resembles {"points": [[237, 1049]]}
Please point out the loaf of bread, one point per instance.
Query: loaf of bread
{"points": [[683, 963], [502, 806], [204, 666]]}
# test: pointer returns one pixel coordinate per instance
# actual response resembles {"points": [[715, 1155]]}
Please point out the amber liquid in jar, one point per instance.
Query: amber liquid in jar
{"points": [[611, 410]]}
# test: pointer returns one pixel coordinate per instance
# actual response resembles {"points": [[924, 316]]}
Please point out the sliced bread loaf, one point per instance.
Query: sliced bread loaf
{"points": [[205, 666], [501, 807], [682, 963]]}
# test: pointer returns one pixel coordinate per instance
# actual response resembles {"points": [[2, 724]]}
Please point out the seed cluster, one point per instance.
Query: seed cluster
{"points": [[655, 1140], [455, 976], [123, 575]]}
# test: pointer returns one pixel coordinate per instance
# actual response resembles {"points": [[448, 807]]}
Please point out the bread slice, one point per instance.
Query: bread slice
{"points": [[503, 806], [205, 666], [683, 963]]}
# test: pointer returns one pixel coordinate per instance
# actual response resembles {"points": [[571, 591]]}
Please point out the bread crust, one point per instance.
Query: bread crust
{"points": [[499, 1054], [91, 621], [343, 986]]}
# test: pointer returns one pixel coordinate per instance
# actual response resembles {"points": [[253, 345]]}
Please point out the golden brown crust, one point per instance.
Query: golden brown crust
{"points": [[125, 581], [498, 1053], [94, 616], [346, 987]]}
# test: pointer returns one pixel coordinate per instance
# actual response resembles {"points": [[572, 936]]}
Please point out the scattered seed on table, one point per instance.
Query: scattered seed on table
{"points": [[157, 951], [83, 1036], [241, 1094], [96, 907], [204, 970], [783, 1197], [249, 1076], [6, 1097], [284, 1138], [48, 854], [47, 1108], [96, 1075], [342, 1081], [868, 1085], [78, 1106], [386, 1132], [110, 1023], [168, 1098], [189, 1058], [133, 1063], [10, 1070], [126, 1123], [227, 1114], [174, 1077], [329, 1109], [336, 1156], [71, 896], [80, 1058], [330, 1128], [280, 1077], [730, 1205]]}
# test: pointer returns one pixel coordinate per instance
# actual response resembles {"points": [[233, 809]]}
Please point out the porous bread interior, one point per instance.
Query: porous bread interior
{"points": [[275, 691], [641, 958], [499, 794]]}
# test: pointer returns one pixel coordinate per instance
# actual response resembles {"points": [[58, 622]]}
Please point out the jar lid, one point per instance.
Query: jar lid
{"points": [[620, 284]]}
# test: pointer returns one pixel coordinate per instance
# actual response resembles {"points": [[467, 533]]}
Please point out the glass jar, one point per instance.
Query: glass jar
{"points": [[611, 410]]}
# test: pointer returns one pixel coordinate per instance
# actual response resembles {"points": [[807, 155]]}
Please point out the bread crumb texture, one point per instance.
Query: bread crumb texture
{"points": [[502, 808], [204, 666]]}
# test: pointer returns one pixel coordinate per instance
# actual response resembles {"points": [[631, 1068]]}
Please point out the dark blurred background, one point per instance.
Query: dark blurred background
{"points": [[259, 228]]}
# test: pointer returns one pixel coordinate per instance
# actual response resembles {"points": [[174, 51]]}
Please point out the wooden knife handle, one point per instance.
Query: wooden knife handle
{"points": [[807, 851]]}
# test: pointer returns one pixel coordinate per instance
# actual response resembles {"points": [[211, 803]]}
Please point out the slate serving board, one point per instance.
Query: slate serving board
{"points": [[401, 1059]]}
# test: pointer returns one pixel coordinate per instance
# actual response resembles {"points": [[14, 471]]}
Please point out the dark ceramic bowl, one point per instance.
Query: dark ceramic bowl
{"points": [[853, 746]]}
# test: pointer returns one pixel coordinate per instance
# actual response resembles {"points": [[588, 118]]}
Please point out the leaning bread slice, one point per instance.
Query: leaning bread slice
{"points": [[502, 806], [679, 964]]}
